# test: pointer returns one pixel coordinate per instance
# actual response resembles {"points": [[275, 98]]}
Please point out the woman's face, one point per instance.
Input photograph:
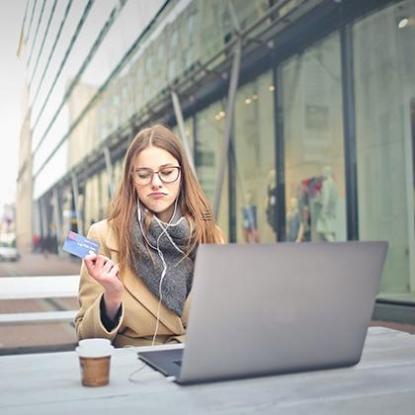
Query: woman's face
{"points": [[157, 192]]}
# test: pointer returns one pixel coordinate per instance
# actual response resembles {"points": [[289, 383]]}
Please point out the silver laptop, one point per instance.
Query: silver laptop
{"points": [[271, 309]]}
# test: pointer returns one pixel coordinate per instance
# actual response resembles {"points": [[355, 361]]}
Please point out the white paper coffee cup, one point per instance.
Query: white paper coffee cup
{"points": [[95, 358]]}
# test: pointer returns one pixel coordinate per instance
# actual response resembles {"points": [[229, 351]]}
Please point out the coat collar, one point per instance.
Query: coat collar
{"points": [[138, 289]]}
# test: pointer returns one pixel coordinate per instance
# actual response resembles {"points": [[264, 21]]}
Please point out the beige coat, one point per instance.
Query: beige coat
{"points": [[139, 306]]}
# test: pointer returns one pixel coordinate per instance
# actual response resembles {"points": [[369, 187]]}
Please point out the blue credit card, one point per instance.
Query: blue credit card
{"points": [[79, 245]]}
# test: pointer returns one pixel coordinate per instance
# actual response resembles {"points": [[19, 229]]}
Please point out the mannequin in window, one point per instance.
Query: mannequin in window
{"points": [[294, 224], [326, 221], [271, 203], [249, 220], [309, 206]]}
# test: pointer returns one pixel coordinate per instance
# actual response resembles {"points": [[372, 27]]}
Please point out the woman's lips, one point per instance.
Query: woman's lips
{"points": [[157, 195]]}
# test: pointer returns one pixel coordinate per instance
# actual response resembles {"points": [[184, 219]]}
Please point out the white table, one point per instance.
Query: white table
{"points": [[382, 383]]}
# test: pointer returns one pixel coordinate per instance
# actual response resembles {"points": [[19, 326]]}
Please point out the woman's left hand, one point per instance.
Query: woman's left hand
{"points": [[105, 272]]}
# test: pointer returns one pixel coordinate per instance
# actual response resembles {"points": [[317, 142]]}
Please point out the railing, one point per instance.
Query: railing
{"points": [[39, 287]]}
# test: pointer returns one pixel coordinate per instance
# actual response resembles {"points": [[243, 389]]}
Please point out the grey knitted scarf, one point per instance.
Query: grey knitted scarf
{"points": [[148, 264]]}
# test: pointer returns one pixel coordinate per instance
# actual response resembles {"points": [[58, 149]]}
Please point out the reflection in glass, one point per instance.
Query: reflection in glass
{"points": [[313, 136], [208, 147], [385, 88], [255, 161]]}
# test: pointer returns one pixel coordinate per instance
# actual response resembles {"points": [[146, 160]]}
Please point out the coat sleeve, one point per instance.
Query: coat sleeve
{"points": [[88, 321]]}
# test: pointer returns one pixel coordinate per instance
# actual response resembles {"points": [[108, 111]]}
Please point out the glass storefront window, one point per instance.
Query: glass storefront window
{"points": [[104, 194], [313, 136], [188, 126], [384, 65], [118, 174], [92, 199], [255, 160], [210, 125]]}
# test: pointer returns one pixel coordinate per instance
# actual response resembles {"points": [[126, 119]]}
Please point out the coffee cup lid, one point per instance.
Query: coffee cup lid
{"points": [[94, 342], [94, 352]]}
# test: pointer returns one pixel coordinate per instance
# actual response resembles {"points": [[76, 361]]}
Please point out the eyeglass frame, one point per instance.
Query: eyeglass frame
{"points": [[153, 172]]}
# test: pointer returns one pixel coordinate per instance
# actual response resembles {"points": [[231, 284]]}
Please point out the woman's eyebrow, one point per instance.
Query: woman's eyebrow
{"points": [[168, 165], [160, 167]]}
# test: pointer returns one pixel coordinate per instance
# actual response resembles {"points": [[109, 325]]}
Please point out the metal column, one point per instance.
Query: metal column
{"points": [[349, 131], [233, 85], [44, 230], [75, 191], [108, 164], [57, 215], [180, 122], [280, 211]]}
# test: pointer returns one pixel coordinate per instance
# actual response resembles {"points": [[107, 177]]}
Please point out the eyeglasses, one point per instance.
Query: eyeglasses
{"points": [[168, 174]]}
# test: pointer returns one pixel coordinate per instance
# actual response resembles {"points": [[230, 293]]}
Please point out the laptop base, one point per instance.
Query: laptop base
{"points": [[167, 362]]}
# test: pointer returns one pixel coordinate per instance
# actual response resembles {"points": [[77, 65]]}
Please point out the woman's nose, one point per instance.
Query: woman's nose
{"points": [[156, 180]]}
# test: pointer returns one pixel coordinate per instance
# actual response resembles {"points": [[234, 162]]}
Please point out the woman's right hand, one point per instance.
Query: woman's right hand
{"points": [[106, 273]]}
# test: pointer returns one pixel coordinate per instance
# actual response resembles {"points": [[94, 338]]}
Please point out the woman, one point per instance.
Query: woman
{"points": [[136, 291]]}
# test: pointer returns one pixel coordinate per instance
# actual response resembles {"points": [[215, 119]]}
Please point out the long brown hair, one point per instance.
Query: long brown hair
{"points": [[193, 202]]}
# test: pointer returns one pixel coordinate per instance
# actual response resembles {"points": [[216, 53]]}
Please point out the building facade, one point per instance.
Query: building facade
{"points": [[299, 115]]}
